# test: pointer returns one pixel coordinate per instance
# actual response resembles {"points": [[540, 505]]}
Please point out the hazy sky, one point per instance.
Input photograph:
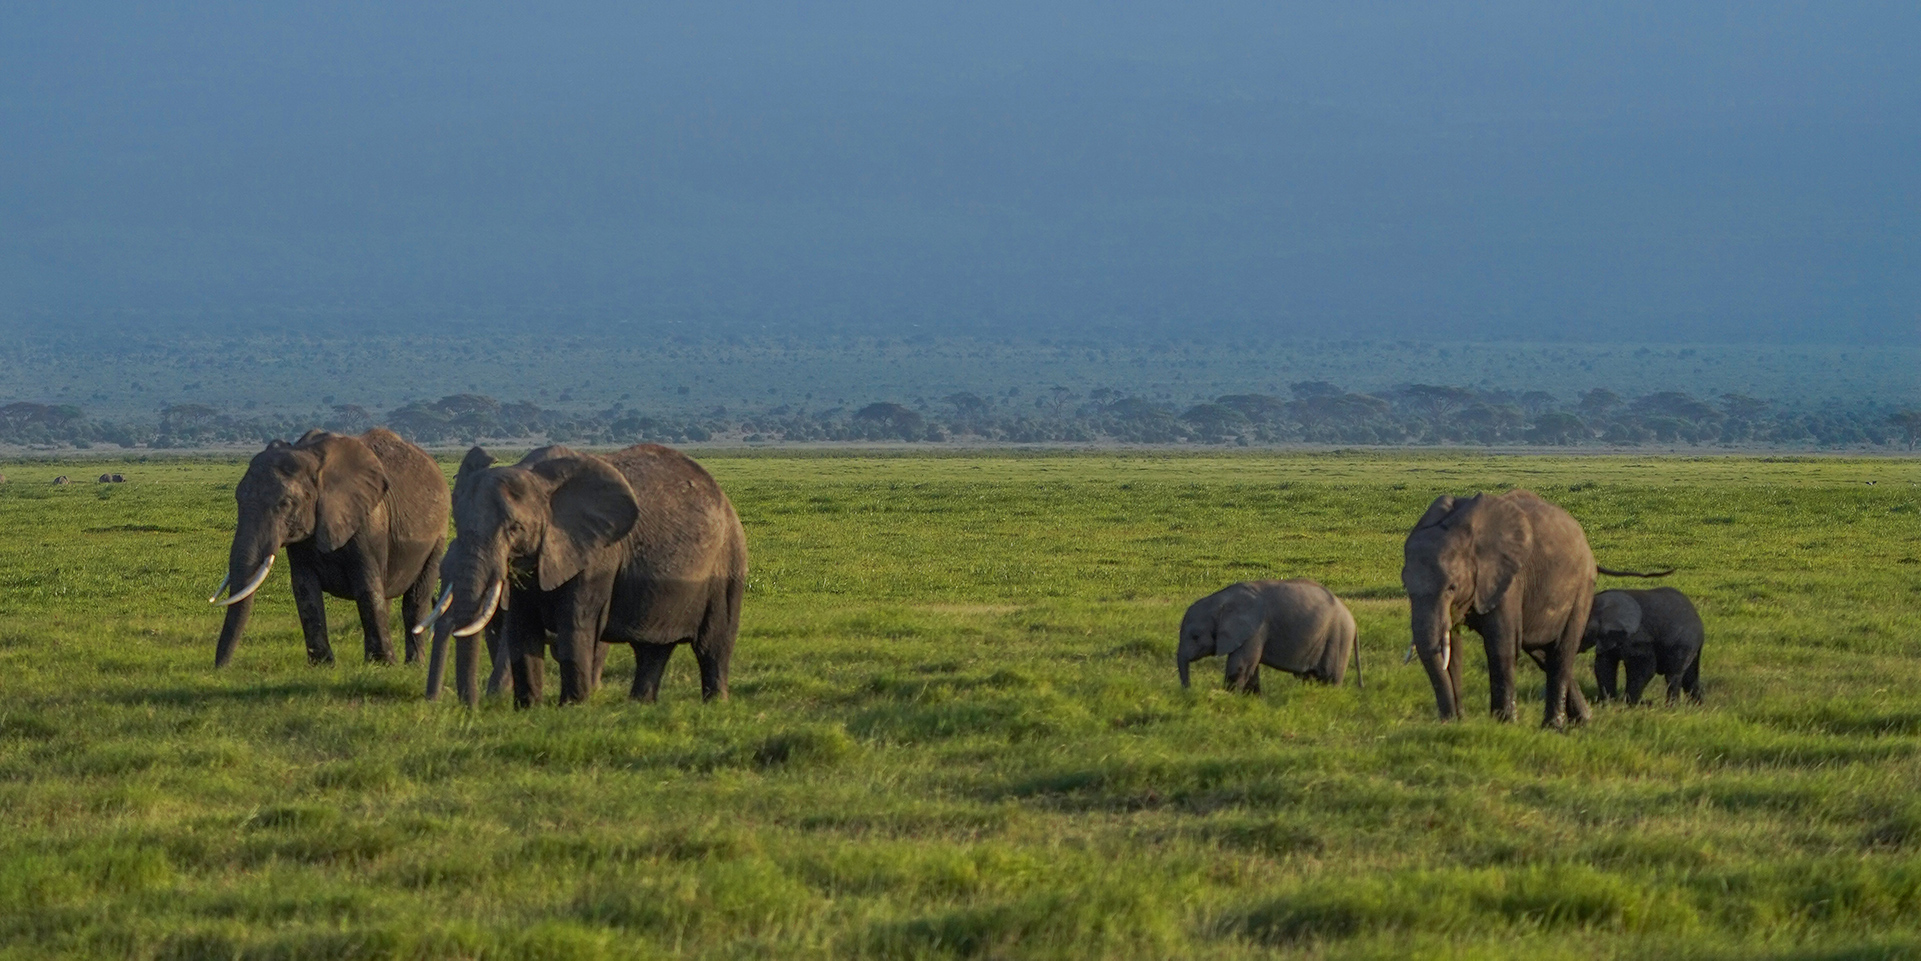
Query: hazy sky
{"points": [[1675, 170]]}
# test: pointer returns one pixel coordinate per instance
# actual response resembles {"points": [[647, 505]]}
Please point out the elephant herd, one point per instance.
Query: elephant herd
{"points": [[577, 552], [563, 549], [1514, 568]]}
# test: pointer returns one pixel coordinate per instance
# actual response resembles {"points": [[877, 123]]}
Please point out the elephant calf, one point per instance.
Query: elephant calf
{"points": [[1296, 626], [1653, 632]]}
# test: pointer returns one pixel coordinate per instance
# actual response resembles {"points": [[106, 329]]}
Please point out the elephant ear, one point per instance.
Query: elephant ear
{"points": [[1235, 624], [1617, 613], [477, 460], [591, 507], [350, 484], [1436, 512], [1502, 539]]}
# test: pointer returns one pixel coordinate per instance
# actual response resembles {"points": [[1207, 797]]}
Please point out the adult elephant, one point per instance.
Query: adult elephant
{"points": [[361, 517], [635, 547]]}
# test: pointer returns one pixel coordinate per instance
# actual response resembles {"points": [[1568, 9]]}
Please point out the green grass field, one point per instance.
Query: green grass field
{"points": [[956, 732]]}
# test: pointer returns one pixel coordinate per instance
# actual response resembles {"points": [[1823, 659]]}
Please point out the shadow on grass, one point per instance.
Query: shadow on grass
{"points": [[318, 688]]}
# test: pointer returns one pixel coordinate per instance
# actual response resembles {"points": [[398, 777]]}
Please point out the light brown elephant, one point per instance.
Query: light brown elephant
{"points": [[1295, 625]]}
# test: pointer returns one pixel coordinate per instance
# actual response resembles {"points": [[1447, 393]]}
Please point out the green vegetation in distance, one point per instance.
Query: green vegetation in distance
{"points": [[956, 733], [159, 387]]}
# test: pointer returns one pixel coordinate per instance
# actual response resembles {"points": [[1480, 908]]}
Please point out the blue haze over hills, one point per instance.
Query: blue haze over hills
{"points": [[1635, 171]]}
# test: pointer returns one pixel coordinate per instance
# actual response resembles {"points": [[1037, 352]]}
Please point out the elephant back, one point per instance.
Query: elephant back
{"points": [[1306, 628], [417, 501]]}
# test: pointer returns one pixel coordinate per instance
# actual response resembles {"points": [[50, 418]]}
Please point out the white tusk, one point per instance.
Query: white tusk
{"points": [[480, 623], [1447, 650], [446, 600], [222, 589], [253, 585], [1410, 655]]}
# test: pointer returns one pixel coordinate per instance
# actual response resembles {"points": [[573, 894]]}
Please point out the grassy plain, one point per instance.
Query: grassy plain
{"points": [[956, 732]]}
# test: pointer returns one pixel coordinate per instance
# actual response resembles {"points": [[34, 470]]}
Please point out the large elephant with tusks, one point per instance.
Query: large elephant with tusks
{"points": [[636, 547], [1518, 571], [363, 518]]}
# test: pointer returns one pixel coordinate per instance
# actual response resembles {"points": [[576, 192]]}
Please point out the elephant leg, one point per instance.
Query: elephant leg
{"points": [[498, 654], [1607, 673], [650, 662], [373, 624], [517, 638], [1640, 671], [713, 661], [1691, 679], [419, 599], [1577, 706], [1500, 648], [714, 642], [576, 647], [528, 655], [312, 605], [1564, 701]]}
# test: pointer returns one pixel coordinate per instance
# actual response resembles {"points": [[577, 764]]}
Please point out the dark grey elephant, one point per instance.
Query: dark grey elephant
{"points": [[1654, 631], [1296, 626], [635, 547], [361, 517]]}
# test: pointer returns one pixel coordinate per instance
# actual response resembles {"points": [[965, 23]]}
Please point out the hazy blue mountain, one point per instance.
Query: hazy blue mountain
{"points": [[1624, 171]]}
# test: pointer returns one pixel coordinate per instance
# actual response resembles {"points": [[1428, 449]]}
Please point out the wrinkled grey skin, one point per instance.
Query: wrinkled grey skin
{"points": [[636, 547], [362, 518], [1517, 570], [1296, 626], [1653, 632]]}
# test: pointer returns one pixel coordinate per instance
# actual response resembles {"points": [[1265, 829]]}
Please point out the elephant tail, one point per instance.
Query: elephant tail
{"points": [[1359, 683], [1611, 572], [1354, 643]]}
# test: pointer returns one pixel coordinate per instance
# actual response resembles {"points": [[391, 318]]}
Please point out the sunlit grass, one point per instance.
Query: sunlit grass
{"points": [[956, 732]]}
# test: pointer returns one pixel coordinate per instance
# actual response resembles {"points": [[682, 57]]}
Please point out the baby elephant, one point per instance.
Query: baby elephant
{"points": [[1296, 626], [1654, 631]]}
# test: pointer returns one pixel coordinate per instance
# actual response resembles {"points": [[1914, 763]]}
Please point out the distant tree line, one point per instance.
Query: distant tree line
{"points": [[1316, 412]]}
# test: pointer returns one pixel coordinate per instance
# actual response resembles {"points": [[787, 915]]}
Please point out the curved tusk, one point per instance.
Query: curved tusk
{"points": [[1447, 650], [1410, 655], [253, 585], [492, 604], [222, 589], [446, 600]]}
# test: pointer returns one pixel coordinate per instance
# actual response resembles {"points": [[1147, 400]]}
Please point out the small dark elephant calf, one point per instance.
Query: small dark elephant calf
{"points": [[1652, 632], [1296, 626]]}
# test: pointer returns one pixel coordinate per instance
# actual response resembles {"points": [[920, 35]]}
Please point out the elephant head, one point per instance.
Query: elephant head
{"points": [[323, 486], [1228, 623], [1461, 557], [1615, 618], [537, 523]]}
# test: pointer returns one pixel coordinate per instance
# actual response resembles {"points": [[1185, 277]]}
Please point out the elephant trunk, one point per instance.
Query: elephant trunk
{"points": [[475, 589], [1188, 653], [467, 669], [235, 623], [436, 660], [248, 563], [1433, 640]]}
